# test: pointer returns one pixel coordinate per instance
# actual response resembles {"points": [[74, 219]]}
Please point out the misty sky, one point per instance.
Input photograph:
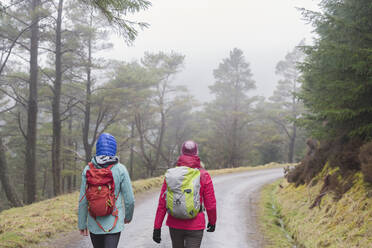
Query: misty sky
{"points": [[206, 30]]}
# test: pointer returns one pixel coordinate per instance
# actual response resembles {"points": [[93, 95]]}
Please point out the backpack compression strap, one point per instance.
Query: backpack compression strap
{"points": [[115, 213]]}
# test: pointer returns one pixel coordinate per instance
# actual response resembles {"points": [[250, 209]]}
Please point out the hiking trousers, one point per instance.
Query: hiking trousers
{"points": [[109, 240], [186, 238]]}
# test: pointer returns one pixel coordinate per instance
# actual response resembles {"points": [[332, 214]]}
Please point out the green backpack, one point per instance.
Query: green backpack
{"points": [[183, 192]]}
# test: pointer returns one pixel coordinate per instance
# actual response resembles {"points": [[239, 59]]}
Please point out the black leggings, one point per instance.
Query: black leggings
{"points": [[186, 238], [110, 240]]}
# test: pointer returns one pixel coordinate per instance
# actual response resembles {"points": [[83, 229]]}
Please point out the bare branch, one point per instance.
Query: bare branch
{"points": [[20, 97], [77, 155], [11, 48], [156, 148], [8, 109], [138, 122], [282, 126], [12, 4], [12, 97], [109, 123], [124, 142], [20, 125], [47, 75], [69, 106]]}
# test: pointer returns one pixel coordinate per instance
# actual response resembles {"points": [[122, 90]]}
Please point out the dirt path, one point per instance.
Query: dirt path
{"points": [[236, 225]]}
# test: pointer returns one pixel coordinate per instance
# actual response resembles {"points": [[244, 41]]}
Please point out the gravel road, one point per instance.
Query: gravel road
{"points": [[236, 221]]}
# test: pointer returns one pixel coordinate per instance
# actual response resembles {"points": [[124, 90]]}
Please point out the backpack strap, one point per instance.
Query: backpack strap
{"points": [[91, 166], [114, 213], [110, 166], [202, 172], [83, 196]]}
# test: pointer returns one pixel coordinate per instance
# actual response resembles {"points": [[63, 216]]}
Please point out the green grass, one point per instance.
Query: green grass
{"points": [[343, 224], [275, 236], [30, 225]]}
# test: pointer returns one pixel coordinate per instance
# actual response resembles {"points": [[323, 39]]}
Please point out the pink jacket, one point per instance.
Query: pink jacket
{"points": [[207, 196]]}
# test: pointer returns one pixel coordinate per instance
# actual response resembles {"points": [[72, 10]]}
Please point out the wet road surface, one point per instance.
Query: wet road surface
{"points": [[236, 223]]}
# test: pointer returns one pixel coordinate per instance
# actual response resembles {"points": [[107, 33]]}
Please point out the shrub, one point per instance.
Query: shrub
{"points": [[312, 163], [345, 154]]}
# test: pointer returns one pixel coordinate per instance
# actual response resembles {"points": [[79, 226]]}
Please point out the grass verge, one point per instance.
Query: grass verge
{"points": [[270, 219], [344, 223], [30, 225]]}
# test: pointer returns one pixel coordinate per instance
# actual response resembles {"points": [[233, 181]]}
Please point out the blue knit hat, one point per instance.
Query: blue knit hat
{"points": [[106, 145]]}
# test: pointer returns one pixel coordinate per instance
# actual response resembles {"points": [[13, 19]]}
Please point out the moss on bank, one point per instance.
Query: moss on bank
{"points": [[30, 225], [345, 222]]}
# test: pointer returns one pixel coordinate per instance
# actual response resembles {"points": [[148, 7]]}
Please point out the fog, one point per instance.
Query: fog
{"points": [[205, 31]]}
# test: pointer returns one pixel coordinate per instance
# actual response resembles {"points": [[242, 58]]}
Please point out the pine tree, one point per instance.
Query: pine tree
{"points": [[115, 12], [229, 113], [337, 72], [286, 107]]}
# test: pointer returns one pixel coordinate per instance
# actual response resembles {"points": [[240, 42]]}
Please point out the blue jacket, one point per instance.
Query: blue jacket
{"points": [[123, 189]]}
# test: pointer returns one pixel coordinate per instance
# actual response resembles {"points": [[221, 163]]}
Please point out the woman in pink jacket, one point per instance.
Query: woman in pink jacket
{"points": [[188, 233]]}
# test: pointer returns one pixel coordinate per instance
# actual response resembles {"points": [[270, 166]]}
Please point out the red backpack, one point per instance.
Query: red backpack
{"points": [[100, 193]]}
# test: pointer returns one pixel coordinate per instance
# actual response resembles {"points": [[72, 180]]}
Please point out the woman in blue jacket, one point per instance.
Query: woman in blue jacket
{"points": [[106, 236]]}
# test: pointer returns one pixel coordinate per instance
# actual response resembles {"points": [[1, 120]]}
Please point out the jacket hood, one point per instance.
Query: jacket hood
{"points": [[192, 161], [106, 145]]}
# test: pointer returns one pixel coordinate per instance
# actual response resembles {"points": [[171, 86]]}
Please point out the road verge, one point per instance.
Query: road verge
{"points": [[270, 219], [341, 223]]}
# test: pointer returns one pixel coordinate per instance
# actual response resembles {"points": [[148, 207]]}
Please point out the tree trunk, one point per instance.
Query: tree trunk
{"points": [[234, 147], [30, 159], [146, 158], [74, 180], [69, 183], [233, 154], [161, 137], [87, 146], [63, 179], [4, 178], [57, 129], [233, 160], [45, 182], [131, 150], [292, 143], [68, 159]]}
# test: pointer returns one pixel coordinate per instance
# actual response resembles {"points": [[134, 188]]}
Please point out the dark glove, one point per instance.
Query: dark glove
{"points": [[156, 236], [211, 228]]}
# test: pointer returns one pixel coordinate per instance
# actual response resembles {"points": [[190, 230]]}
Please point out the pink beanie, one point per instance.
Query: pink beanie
{"points": [[189, 148]]}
